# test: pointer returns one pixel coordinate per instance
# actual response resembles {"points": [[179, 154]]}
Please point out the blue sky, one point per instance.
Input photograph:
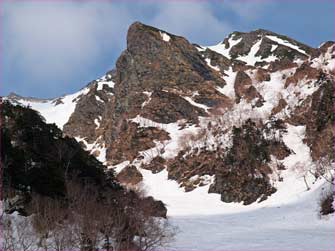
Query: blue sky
{"points": [[50, 48]]}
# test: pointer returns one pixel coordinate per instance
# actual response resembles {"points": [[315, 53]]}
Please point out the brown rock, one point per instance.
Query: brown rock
{"points": [[281, 105], [165, 107], [262, 75], [131, 140], [156, 165], [280, 65], [129, 176], [244, 88], [217, 59], [304, 71], [316, 112], [154, 207]]}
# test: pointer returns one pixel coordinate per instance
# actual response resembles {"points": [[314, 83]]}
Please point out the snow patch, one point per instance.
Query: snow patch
{"points": [[192, 102], [290, 226], [165, 36], [325, 61], [252, 59], [101, 84], [293, 139], [172, 146], [228, 89], [98, 99], [94, 147], [148, 94], [56, 113], [286, 43], [97, 122], [273, 47], [119, 167], [208, 61], [221, 48]]}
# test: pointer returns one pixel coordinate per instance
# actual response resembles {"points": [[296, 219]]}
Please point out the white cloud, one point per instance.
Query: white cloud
{"points": [[59, 40], [248, 10], [195, 20], [48, 40]]}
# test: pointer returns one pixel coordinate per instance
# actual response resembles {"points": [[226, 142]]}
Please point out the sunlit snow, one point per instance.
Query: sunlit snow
{"points": [[56, 113], [286, 43], [165, 36]]}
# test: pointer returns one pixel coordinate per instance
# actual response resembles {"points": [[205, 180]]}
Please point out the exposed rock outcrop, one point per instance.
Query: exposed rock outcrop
{"points": [[231, 102], [129, 176]]}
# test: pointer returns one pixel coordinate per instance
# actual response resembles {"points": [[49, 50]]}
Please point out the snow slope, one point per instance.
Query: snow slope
{"points": [[250, 58], [288, 220], [286, 43], [59, 110], [221, 49], [292, 226], [56, 111], [199, 202]]}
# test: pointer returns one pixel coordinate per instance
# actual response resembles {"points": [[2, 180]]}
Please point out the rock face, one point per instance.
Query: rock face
{"points": [[317, 114], [245, 90], [132, 140], [216, 116], [162, 110], [129, 176], [87, 110], [151, 64], [244, 175], [270, 43], [91, 109]]}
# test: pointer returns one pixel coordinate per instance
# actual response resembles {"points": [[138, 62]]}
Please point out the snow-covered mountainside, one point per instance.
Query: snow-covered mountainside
{"points": [[242, 125], [61, 110]]}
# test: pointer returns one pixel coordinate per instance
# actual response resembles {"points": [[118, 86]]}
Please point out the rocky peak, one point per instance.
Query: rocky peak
{"points": [[13, 97], [158, 50], [261, 47], [181, 103], [154, 61], [140, 37]]}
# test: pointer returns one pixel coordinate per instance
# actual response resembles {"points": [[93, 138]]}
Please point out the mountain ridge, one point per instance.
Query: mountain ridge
{"points": [[325, 44], [166, 92]]}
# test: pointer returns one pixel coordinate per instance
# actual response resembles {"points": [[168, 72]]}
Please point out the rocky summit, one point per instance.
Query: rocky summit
{"points": [[238, 119]]}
